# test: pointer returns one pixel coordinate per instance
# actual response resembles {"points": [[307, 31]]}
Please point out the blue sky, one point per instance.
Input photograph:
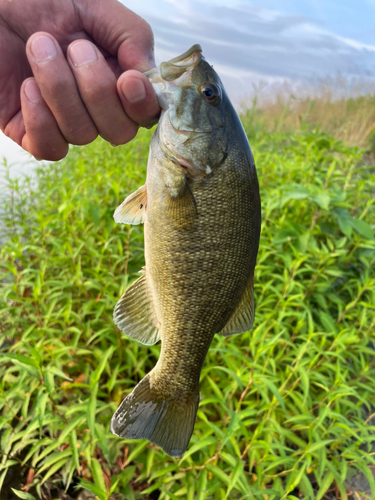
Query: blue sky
{"points": [[348, 18], [269, 42]]}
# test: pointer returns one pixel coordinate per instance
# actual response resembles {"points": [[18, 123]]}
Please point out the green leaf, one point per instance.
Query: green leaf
{"points": [[25, 363], [102, 495], [95, 376], [59, 373], [57, 466], [316, 446], [23, 494], [202, 484], [344, 469], [298, 193], [326, 483], [322, 200], [137, 451], [306, 488], [41, 406], [91, 411], [235, 476], [305, 383], [344, 225], [95, 213], [220, 474], [204, 443], [127, 474], [367, 472], [70, 426], [272, 387], [97, 474], [24, 360], [295, 478], [327, 322], [73, 447], [362, 227]]}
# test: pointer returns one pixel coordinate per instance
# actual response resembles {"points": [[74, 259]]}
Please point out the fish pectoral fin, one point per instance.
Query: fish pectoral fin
{"points": [[134, 314], [183, 207], [133, 209], [243, 317]]}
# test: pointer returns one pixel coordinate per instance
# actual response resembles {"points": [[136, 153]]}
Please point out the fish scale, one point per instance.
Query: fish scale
{"points": [[201, 212]]}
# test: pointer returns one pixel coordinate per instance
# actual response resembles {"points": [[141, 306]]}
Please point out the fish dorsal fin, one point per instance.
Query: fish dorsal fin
{"points": [[243, 317], [183, 207], [133, 209], [134, 313]]}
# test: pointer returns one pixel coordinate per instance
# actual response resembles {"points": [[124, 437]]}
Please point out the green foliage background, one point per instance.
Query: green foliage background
{"points": [[282, 407]]}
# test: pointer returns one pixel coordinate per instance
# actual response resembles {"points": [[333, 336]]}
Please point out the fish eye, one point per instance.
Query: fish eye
{"points": [[212, 93]]}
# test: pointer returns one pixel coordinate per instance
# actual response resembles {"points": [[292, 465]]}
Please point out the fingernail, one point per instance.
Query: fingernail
{"points": [[43, 48], [136, 91], [82, 53], [32, 91], [152, 62]]}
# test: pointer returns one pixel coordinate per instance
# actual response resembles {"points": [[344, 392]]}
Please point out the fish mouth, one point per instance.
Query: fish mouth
{"points": [[194, 52], [188, 132], [180, 66]]}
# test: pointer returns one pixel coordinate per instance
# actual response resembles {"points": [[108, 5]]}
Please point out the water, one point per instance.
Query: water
{"points": [[21, 162]]}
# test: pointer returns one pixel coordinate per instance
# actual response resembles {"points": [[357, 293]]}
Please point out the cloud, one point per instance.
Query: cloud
{"points": [[259, 43]]}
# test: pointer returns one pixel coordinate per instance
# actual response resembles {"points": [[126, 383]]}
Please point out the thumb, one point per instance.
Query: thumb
{"points": [[119, 31]]}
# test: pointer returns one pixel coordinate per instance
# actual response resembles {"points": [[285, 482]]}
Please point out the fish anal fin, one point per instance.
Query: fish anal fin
{"points": [[166, 421], [133, 209], [134, 314], [243, 317], [183, 207]]}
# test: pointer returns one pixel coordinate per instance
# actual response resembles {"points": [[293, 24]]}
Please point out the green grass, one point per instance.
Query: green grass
{"points": [[281, 412]]}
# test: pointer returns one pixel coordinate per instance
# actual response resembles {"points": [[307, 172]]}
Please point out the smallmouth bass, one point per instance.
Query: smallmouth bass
{"points": [[201, 212]]}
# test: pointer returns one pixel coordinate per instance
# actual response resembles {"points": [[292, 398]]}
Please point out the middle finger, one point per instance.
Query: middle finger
{"points": [[59, 90], [97, 86]]}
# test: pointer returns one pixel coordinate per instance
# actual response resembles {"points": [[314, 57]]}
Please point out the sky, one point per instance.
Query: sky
{"points": [[249, 43], [254, 44]]}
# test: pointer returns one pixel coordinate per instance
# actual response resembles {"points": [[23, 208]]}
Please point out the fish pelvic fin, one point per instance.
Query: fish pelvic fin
{"points": [[134, 313], [133, 209], [183, 207], [147, 414], [242, 319]]}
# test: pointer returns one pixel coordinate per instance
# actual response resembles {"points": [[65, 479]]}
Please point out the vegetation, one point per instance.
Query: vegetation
{"points": [[282, 412], [348, 114]]}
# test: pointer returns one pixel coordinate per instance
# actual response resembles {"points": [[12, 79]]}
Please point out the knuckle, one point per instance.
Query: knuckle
{"points": [[56, 154], [57, 88], [147, 30], [53, 151], [98, 90], [82, 134], [123, 136]]}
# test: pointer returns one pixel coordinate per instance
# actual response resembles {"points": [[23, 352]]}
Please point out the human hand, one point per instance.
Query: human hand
{"points": [[78, 77]]}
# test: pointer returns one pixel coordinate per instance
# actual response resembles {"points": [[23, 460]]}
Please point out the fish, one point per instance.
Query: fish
{"points": [[201, 211]]}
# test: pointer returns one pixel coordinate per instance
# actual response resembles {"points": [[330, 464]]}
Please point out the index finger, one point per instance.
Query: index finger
{"points": [[120, 31], [138, 98]]}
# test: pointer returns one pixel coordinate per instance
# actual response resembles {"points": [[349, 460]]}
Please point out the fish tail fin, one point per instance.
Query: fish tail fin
{"points": [[166, 422]]}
